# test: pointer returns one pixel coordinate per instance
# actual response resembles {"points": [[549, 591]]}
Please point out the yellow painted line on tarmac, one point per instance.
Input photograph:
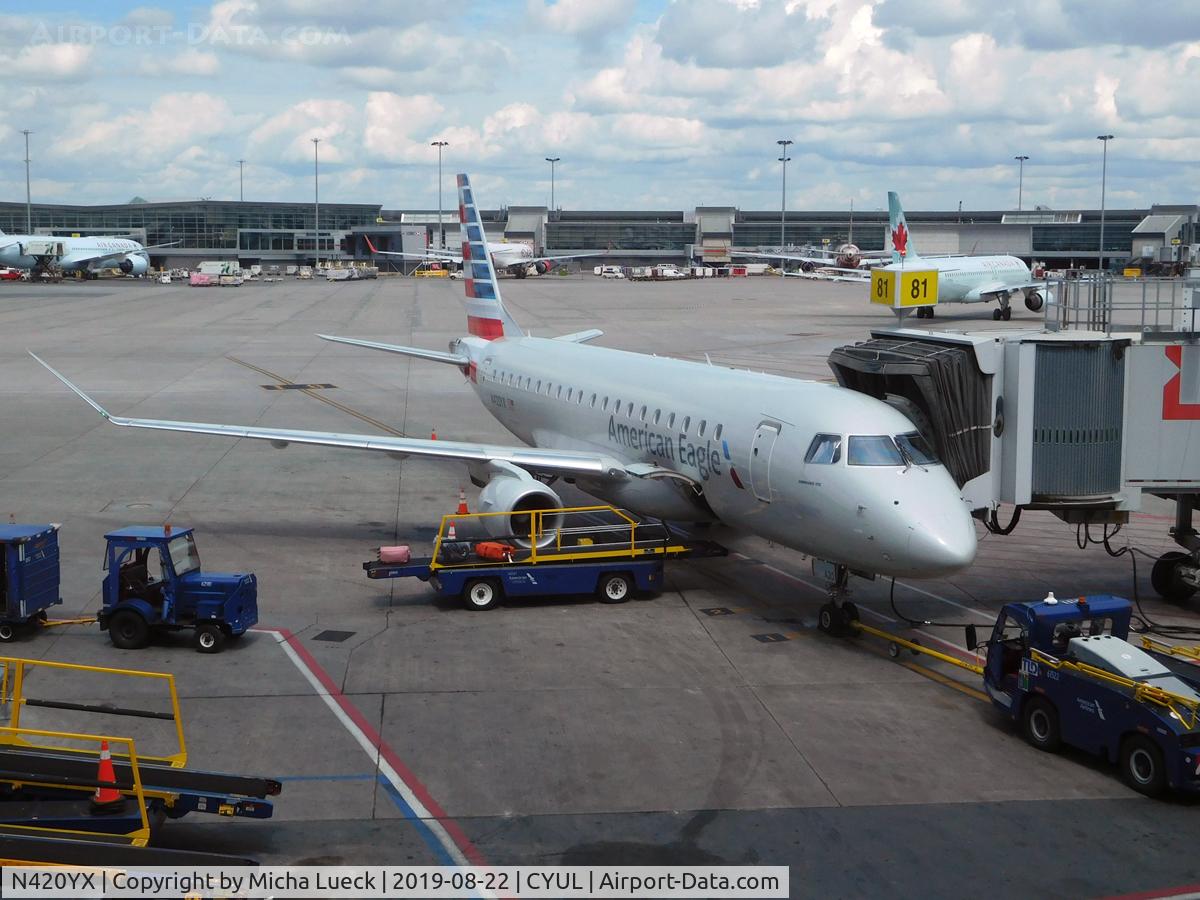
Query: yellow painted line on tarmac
{"points": [[348, 410], [942, 679]]}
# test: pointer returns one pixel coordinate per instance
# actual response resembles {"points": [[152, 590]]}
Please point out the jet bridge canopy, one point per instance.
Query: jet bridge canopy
{"points": [[940, 387]]}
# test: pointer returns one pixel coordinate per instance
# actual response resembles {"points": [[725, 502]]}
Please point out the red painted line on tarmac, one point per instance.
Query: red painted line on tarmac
{"points": [[1181, 891], [451, 827]]}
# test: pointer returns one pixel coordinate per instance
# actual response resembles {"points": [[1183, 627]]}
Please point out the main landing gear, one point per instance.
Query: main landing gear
{"points": [[836, 615], [1003, 312], [1176, 574], [924, 312]]}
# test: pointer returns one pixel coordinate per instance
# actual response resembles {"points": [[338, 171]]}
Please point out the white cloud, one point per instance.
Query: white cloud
{"points": [[189, 62], [579, 17], [287, 136], [399, 128], [171, 122], [50, 62]]}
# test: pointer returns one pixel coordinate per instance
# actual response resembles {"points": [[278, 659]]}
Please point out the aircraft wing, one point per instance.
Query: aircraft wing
{"points": [[1001, 287], [429, 255], [534, 459], [840, 275], [538, 259]]}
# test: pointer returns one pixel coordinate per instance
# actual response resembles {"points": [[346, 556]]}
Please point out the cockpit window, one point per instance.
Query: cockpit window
{"points": [[873, 450], [825, 449], [917, 449]]}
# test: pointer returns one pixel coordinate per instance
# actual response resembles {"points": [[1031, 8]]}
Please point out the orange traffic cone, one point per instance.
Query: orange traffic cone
{"points": [[450, 533], [462, 503], [107, 798]]}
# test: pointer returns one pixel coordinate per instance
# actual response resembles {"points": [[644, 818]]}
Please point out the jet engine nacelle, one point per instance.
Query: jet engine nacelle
{"points": [[518, 496], [849, 256], [134, 264], [541, 267], [1033, 300]]}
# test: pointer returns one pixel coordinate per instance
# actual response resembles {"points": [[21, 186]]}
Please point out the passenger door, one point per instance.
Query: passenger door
{"points": [[760, 459]]}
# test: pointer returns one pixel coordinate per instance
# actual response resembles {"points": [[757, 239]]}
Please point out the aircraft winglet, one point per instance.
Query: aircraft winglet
{"points": [[59, 375]]}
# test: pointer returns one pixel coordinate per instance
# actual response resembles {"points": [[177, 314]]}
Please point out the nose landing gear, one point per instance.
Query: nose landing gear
{"points": [[836, 615]]}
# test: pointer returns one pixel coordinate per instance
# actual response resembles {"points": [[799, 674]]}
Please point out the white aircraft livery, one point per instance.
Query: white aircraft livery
{"points": [[516, 258], [75, 254], [964, 279], [816, 467]]}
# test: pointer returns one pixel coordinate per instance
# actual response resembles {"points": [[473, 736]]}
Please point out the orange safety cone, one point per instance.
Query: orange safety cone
{"points": [[462, 503], [107, 798], [450, 534]]}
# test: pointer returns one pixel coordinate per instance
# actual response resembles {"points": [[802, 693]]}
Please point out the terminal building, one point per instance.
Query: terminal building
{"points": [[287, 233]]}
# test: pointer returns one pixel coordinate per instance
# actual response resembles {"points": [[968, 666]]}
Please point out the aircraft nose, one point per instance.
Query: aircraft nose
{"points": [[942, 546]]}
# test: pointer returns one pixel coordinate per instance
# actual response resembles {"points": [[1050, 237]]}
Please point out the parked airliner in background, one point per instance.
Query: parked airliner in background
{"points": [[813, 466], [965, 279], [516, 258], [846, 263], [75, 254]]}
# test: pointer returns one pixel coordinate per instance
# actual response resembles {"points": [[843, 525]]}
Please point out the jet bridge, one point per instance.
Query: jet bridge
{"points": [[1081, 416]]}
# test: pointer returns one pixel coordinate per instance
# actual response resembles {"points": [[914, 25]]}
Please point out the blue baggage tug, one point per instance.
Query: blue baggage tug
{"points": [[153, 582], [1064, 670]]}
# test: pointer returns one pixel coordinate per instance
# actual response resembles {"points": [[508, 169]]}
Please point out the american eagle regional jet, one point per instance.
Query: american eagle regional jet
{"points": [[818, 468]]}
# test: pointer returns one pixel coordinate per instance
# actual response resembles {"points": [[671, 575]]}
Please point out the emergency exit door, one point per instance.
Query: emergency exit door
{"points": [[760, 460]]}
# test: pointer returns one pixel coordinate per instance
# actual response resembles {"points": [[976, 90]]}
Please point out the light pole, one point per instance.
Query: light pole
{"points": [[783, 145], [441, 227], [241, 184], [1020, 180], [552, 160], [1104, 139], [316, 205], [28, 205]]}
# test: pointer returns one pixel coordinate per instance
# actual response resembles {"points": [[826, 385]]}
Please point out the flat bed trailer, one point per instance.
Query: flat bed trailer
{"points": [[597, 550]]}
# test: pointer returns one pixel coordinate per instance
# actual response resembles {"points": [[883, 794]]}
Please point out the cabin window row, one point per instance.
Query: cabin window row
{"points": [[609, 404]]}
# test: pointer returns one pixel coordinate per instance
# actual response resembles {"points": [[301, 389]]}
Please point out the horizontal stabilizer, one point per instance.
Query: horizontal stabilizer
{"points": [[454, 359], [581, 337]]}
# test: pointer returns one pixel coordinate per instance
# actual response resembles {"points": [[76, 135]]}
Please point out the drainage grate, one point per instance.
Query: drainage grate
{"points": [[334, 637], [770, 638], [297, 387]]}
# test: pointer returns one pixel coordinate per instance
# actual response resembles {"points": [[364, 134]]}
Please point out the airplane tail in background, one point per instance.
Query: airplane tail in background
{"points": [[486, 316], [901, 243]]}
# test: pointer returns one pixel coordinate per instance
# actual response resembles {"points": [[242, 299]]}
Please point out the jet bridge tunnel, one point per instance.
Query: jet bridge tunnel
{"points": [[1081, 417]]}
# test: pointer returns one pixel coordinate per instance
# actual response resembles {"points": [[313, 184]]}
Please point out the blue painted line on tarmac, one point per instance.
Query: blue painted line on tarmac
{"points": [[423, 829]]}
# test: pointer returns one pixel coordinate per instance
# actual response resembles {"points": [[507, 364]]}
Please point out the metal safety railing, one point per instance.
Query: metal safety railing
{"points": [[1101, 302], [1185, 709], [18, 737], [1192, 653], [553, 535], [14, 681]]}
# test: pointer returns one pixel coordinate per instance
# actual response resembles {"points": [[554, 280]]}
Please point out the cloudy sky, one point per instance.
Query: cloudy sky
{"points": [[663, 105]]}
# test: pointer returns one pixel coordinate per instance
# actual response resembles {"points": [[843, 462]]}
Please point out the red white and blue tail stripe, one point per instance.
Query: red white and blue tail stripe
{"points": [[486, 316]]}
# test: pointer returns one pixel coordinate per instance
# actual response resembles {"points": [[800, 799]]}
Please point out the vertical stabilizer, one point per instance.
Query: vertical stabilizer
{"points": [[901, 242], [486, 316]]}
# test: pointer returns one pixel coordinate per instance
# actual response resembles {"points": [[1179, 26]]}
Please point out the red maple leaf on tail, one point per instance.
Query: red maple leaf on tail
{"points": [[900, 239]]}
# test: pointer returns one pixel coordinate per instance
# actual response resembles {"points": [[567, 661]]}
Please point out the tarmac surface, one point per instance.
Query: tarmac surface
{"points": [[710, 724]]}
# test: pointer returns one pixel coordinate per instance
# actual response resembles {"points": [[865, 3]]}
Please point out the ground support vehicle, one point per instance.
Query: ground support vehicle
{"points": [[484, 557], [153, 582], [29, 576], [75, 798], [1066, 673]]}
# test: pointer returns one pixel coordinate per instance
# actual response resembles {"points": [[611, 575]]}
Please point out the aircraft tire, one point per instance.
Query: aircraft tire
{"points": [[1006, 313], [996, 315]]}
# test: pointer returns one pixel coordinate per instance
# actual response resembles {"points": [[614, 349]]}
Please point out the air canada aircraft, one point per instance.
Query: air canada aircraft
{"points": [[75, 254], [964, 279], [815, 467]]}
